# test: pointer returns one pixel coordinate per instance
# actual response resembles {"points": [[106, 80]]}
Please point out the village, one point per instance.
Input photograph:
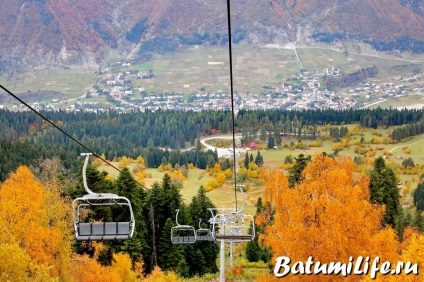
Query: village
{"points": [[302, 92]]}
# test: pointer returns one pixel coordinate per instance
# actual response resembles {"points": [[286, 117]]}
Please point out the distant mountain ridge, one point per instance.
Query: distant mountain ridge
{"points": [[81, 32]]}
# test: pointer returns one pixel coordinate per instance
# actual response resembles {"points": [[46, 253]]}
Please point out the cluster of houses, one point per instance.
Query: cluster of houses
{"points": [[302, 92]]}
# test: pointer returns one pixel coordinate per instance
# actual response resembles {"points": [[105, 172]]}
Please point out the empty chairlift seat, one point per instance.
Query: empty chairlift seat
{"points": [[204, 234], [99, 231]]}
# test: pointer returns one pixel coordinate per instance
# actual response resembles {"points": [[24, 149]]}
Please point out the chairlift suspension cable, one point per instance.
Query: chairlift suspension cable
{"points": [[64, 132], [232, 100]]}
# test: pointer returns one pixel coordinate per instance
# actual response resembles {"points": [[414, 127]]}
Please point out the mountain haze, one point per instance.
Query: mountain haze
{"points": [[80, 32]]}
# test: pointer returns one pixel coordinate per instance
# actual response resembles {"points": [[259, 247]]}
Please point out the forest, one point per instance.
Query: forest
{"points": [[327, 206], [25, 137]]}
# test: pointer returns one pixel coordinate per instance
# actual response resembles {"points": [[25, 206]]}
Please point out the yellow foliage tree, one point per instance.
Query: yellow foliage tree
{"points": [[191, 166], [166, 167], [35, 220], [123, 162], [96, 162], [177, 175], [88, 269], [158, 275], [140, 175], [140, 161], [327, 216], [229, 173], [220, 178], [110, 177], [121, 265], [216, 168]]}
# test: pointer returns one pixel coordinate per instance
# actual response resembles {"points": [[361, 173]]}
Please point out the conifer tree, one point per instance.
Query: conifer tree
{"points": [[295, 173], [126, 186], [246, 160], [419, 197], [384, 190], [206, 251], [270, 141], [259, 159], [170, 254]]}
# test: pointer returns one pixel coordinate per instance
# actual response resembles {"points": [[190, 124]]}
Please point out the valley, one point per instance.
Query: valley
{"points": [[198, 79]]}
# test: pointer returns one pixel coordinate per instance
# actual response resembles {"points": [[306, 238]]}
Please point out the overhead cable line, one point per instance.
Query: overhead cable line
{"points": [[232, 100], [64, 132]]}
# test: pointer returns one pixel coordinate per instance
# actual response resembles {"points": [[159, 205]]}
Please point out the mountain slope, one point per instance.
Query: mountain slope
{"points": [[83, 32]]}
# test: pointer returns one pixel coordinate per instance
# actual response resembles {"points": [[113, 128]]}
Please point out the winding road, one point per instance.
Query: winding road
{"points": [[222, 152]]}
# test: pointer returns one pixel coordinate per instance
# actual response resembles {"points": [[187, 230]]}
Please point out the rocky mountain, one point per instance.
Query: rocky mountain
{"points": [[81, 32]]}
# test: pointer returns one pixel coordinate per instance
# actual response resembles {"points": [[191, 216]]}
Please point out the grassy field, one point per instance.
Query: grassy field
{"points": [[200, 66], [73, 83], [224, 196], [410, 102]]}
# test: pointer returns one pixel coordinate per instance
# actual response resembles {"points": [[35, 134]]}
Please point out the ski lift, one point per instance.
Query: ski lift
{"points": [[182, 234], [98, 231], [203, 234], [233, 226]]}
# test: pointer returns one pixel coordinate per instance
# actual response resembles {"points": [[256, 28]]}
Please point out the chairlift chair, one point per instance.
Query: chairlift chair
{"points": [[99, 231], [233, 226], [182, 234], [203, 234]]}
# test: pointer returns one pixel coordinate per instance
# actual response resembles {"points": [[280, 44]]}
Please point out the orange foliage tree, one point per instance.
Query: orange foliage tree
{"points": [[35, 222], [327, 216]]}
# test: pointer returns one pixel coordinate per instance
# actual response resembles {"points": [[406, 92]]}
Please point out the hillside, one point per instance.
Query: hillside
{"points": [[63, 32]]}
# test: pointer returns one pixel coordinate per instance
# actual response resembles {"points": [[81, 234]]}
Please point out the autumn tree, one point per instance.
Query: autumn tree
{"points": [[328, 215], [35, 223]]}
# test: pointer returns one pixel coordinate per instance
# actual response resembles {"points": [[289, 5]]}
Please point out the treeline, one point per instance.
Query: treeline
{"points": [[328, 37], [252, 121], [404, 43], [116, 134], [16, 153], [158, 45], [130, 134], [408, 130], [155, 212], [154, 157]]}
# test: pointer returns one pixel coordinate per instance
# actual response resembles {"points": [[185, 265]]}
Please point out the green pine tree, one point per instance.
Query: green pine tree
{"points": [[384, 190], [295, 173], [419, 197], [170, 255], [246, 160]]}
